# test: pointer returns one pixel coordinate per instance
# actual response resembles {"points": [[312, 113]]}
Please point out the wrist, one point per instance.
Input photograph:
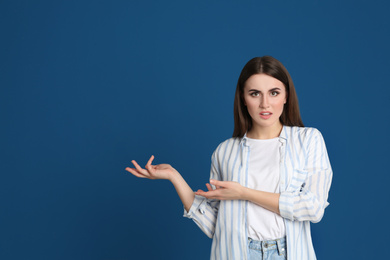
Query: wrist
{"points": [[174, 176], [245, 193]]}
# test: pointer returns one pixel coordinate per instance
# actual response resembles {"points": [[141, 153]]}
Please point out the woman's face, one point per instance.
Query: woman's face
{"points": [[264, 97]]}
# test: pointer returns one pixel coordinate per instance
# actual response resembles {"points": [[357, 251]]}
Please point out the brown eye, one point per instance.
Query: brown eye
{"points": [[274, 93]]}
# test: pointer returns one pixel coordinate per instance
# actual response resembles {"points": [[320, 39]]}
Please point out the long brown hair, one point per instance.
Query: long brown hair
{"points": [[274, 68]]}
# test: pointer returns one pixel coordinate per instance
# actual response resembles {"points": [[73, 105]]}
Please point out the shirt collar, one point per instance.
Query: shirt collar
{"points": [[283, 135], [244, 140]]}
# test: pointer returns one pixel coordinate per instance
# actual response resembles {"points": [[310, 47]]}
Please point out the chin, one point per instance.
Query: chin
{"points": [[267, 124]]}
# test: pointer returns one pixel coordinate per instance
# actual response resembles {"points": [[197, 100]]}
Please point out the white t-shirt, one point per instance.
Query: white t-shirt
{"points": [[264, 175]]}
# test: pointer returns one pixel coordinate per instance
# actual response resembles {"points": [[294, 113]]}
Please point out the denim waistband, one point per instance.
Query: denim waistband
{"points": [[265, 245]]}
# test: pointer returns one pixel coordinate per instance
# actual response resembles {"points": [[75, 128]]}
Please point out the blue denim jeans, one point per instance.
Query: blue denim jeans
{"points": [[267, 250]]}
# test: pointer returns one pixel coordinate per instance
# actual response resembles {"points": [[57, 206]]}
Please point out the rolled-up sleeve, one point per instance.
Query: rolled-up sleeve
{"points": [[308, 201], [204, 211]]}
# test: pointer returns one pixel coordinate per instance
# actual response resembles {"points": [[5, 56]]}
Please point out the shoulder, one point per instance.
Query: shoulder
{"points": [[301, 132], [303, 136], [228, 144]]}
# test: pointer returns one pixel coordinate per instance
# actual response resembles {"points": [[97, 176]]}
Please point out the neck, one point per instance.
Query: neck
{"points": [[270, 132]]}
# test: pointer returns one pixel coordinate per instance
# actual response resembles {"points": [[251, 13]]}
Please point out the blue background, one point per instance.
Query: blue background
{"points": [[87, 86]]}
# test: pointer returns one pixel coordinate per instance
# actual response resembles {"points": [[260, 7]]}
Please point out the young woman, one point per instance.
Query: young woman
{"points": [[268, 182]]}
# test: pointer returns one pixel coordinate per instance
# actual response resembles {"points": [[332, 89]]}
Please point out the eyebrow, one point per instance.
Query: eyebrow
{"points": [[256, 90]]}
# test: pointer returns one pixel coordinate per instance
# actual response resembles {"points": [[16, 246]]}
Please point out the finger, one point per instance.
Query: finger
{"points": [[209, 187], [209, 194], [139, 169], [149, 162], [218, 183], [135, 172], [200, 192]]}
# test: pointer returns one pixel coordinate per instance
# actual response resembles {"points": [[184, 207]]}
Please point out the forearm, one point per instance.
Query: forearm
{"points": [[267, 200], [230, 190], [184, 191]]}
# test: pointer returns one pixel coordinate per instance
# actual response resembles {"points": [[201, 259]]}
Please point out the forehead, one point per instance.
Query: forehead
{"points": [[262, 82]]}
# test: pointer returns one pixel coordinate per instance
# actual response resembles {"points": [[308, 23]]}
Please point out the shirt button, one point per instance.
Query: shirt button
{"points": [[201, 211]]}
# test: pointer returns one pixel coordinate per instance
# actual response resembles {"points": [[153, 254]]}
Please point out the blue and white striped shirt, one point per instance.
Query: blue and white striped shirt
{"points": [[305, 178]]}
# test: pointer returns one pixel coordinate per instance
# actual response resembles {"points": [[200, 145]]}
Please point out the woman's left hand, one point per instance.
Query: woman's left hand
{"points": [[225, 190]]}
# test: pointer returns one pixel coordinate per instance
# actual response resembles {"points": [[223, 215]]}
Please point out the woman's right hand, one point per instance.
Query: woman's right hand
{"points": [[160, 171]]}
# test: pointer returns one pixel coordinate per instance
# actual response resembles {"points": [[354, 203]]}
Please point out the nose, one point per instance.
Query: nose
{"points": [[264, 102]]}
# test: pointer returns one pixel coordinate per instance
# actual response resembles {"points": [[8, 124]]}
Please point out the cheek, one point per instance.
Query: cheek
{"points": [[251, 105], [248, 103], [279, 104]]}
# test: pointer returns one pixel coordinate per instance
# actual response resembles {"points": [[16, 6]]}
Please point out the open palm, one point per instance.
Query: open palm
{"points": [[160, 171]]}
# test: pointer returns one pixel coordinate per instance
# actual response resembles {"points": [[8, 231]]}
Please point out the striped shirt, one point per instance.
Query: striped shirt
{"points": [[305, 178]]}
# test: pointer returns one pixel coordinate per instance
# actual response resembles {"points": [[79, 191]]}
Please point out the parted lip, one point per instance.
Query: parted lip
{"points": [[263, 112]]}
